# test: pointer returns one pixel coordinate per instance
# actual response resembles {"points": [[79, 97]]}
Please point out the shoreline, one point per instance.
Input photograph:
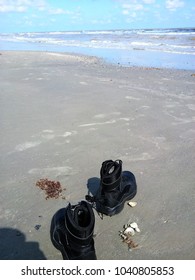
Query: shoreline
{"points": [[98, 60], [62, 115], [125, 58]]}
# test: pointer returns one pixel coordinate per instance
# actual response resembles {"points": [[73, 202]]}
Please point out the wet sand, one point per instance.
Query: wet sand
{"points": [[61, 116]]}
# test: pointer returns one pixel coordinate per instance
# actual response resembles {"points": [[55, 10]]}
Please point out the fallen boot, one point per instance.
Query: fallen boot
{"points": [[116, 187], [72, 231]]}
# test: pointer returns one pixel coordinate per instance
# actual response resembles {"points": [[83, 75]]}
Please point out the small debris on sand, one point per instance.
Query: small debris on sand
{"points": [[127, 233], [132, 203], [37, 227], [53, 189]]}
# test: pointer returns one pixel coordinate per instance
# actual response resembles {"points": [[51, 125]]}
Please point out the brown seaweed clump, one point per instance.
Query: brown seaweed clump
{"points": [[53, 189]]}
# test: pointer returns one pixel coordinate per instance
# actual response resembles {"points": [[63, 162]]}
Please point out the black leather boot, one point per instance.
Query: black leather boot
{"points": [[116, 187], [72, 231]]}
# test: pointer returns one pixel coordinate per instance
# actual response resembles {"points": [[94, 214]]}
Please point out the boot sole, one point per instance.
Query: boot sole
{"points": [[117, 209]]}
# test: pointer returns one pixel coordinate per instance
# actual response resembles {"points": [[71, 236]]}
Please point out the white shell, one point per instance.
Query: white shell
{"points": [[134, 225], [137, 229], [129, 231], [132, 203]]}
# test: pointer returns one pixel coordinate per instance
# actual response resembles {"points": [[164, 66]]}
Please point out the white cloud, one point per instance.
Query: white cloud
{"points": [[135, 2], [102, 22], [20, 5], [174, 4], [125, 12], [133, 7], [149, 1], [132, 17], [59, 11]]}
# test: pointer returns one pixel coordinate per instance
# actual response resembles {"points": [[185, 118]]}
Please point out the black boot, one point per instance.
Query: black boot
{"points": [[116, 187], [72, 231]]}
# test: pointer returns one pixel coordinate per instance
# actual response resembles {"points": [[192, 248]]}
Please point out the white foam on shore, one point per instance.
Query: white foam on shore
{"points": [[132, 98], [98, 123], [48, 136], [68, 133], [27, 145], [52, 171], [124, 119], [57, 54], [143, 156], [47, 131], [100, 116], [104, 115], [83, 83], [75, 57]]}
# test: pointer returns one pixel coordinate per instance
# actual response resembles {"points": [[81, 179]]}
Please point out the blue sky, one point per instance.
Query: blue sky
{"points": [[64, 15]]}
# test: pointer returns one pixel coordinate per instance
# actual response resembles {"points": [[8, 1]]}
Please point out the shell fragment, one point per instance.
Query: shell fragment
{"points": [[129, 231], [132, 203], [133, 225], [126, 234], [137, 229]]}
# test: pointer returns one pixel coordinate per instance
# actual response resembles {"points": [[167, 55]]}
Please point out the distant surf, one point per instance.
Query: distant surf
{"points": [[169, 48]]}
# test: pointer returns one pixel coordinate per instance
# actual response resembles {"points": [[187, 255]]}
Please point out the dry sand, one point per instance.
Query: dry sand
{"points": [[61, 116]]}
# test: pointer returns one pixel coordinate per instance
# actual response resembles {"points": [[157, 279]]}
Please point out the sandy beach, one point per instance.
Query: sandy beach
{"points": [[61, 116]]}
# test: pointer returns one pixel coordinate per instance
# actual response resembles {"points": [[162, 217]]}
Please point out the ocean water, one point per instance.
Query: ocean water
{"points": [[168, 48]]}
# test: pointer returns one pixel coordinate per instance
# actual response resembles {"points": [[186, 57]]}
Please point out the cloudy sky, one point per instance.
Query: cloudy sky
{"points": [[64, 15]]}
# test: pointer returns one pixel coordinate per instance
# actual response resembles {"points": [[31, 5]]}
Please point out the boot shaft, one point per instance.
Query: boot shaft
{"points": [[72, 230], [79, 223], [110, 174], [116, 187]]}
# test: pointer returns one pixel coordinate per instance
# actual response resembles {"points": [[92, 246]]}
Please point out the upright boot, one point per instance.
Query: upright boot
{"points": [[116, 187], [72, 231]]}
